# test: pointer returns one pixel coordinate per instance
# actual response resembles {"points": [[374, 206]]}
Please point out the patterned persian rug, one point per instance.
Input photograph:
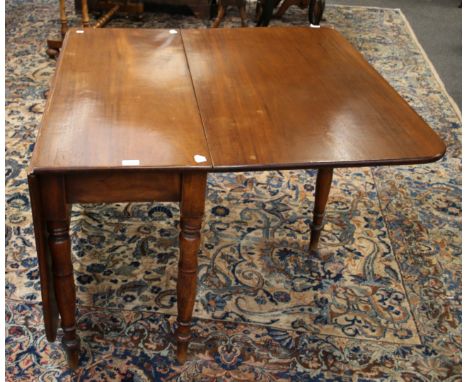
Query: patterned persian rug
{"points": [[382, 301]]}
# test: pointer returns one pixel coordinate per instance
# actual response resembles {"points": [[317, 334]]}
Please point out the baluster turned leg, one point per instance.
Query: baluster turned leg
{"points": [[57, 218], [322, 189], [192, 207]]}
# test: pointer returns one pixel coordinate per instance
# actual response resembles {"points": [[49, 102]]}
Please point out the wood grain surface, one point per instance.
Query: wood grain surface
{"points": [[119, 95], [299, 97], [223, 100]]}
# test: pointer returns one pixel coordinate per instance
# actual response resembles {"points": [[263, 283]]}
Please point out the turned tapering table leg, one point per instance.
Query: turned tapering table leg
{"points": [[192, 207], [322, 189], [57, 217]]}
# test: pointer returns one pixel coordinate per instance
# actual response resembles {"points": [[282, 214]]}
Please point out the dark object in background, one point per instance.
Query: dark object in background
{"points": [[200, 8], [316, 8], [264, 11]]}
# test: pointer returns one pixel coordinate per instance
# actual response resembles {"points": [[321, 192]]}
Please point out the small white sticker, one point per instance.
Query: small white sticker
{"points": [[314, 26], [130, 162], [173, 31], [199, 158], [80, 31]]}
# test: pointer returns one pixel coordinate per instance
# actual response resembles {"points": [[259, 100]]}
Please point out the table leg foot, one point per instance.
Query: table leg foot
{"points": [[72, 350], [322, 189], [183, 339], [53, 48], [52, 53]]}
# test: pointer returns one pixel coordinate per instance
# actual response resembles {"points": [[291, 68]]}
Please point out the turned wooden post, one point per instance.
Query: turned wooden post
{"points": [[63, 18], [192, 207], [322, 189], [57, 217], [84, 13]]}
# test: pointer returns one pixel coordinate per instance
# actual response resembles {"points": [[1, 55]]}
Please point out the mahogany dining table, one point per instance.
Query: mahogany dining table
{"points": [[145, 115]]}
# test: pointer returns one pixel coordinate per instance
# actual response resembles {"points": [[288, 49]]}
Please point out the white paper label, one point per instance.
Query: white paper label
{"points": [[199, 158], [80, 31], [130, 162], [173, 31]]}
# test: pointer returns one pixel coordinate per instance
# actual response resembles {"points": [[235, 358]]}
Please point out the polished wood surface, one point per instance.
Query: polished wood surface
{"points": [[267, 97], [119, 95], [49, 302], [122, 186], [299, 97]]}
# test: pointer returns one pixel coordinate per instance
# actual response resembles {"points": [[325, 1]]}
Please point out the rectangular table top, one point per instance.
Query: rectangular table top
{"points": [[223, 100], [121, 98]]}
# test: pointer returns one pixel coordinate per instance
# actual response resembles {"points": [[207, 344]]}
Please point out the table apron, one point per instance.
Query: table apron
{"points": [[114, 187]]}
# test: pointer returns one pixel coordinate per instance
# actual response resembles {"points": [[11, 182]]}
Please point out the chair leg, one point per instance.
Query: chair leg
{"points": [[220, 16], [243, 15], [63, 19], [84, 13]]}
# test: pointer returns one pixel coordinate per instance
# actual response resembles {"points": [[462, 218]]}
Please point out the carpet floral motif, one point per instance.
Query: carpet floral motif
{"points": [[381, 301]]}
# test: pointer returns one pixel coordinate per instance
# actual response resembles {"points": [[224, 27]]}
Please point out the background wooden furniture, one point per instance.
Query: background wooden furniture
{"points": [[200, 8], [115, 129], [223, 4], [108, 7], [265, 9]]}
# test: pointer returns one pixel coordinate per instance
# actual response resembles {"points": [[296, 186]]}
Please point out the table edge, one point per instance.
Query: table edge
{"points": [[245, 168]]}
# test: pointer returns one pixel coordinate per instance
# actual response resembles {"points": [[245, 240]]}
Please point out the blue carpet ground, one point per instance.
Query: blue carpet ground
{"points": [[382, 302]]}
